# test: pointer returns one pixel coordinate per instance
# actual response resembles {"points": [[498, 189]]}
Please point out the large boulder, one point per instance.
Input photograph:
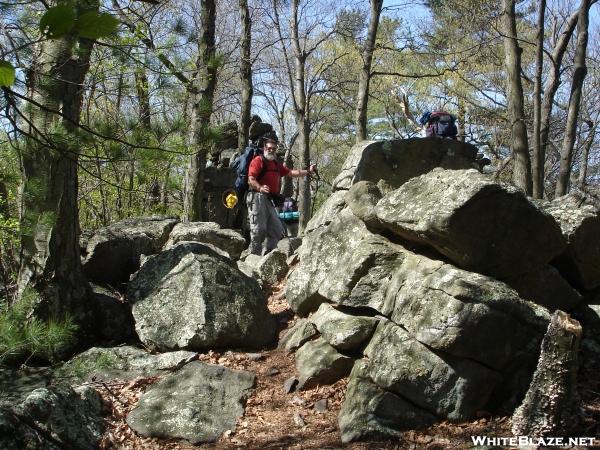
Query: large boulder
{"points": [[580, 225], [397, 161], [319, 363], [449, 387], [197, 403], [302, 331], [362, 198], [343, 263], [371, 412], [480, 225], [327, 212], [190, 297], [113, 252], [465, 314], [211, 233], [112, 316], [53, 417]]}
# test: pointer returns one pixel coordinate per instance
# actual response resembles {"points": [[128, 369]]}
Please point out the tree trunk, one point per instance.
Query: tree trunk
{"points": [[202, 91], [143, 94], [583, 164], [538, 160], [516, 113], [50, 271], [550, 407], [301, 116], [566, 153], [245, 75], [362, 98], [551, 87]]}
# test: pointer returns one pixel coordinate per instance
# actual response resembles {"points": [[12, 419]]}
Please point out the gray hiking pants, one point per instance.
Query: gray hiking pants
{"points": [[264, 223]]}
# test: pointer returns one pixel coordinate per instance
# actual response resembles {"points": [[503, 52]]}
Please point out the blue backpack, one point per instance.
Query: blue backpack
{"points": [[441, 124], [241, 164]]}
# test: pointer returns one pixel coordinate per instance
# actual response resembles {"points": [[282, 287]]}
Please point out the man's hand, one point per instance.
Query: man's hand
{"points": [[312, 168], [264, 189]]}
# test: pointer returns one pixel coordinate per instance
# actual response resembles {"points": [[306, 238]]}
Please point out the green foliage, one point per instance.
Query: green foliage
{"points": [[58, 21], [62, 19], [94, 25], [7, 74], [23, 337]]}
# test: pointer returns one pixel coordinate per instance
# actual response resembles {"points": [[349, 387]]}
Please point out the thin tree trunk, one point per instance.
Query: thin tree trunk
{"points": [[245, 75], [143, 94], [362, 98], [566, 153], [50, 270], [538, 160], [202, 91], [516, 113], [301, 116], [583, 165], [462, 117]]}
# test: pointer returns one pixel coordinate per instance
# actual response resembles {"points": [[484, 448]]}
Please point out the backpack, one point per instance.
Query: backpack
{"points": [[241, 164], [441, 124]]}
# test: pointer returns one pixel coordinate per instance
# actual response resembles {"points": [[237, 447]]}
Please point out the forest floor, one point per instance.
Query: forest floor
{"points": [[274, 419]]}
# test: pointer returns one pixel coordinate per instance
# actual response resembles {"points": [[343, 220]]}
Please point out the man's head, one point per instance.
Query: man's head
{"points": [[269, 144]]}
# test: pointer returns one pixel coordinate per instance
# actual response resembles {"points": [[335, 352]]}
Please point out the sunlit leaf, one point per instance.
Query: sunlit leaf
{"points": [[7, 74], [57, 21], [94, 25]]}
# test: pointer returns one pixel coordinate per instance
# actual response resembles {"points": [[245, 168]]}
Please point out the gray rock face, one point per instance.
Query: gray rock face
{"points": [[545, 286], [371, 412], [211, 233], [113, 253], [480, 225], [273, 267], [301, 332], [343, 331], [463, 313], [343, 263], [112, 316], [327, 212], [190, 297], [73, 420], [317, 362], [289, 245], [580, 225], [443, 385], [396, 161], [362, 199], [198, 403], [124, 363]]}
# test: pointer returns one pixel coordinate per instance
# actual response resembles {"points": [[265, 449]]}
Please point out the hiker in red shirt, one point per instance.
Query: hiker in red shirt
{"points": [[264, 177]]}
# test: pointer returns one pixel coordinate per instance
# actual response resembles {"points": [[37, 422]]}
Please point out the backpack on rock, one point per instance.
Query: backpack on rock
{"points": [[440, 124]]}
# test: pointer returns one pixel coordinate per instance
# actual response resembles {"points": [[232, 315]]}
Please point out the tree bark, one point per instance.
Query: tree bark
{"points": [[516, 113], [538, 160], [550, 407], [566, 153], [202, 90], [50, 272], [362, 98], [245, 75], [302, 119], [583, 164]]}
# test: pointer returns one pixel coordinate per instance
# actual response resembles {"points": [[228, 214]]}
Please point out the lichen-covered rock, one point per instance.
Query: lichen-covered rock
{"points": [[197, 403], [289, 245], [480, 225], [190, 297], [370, 412], [446, 386], [362, 198], [302, 331], [397, 161], [343, 263], [113, 252], [75, 421], [341, 330], [580, 225], [545, 286], [125, 362], [317, 362], [463, 313], [273, 267], [327, 212], [211, 233]]}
